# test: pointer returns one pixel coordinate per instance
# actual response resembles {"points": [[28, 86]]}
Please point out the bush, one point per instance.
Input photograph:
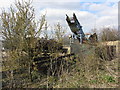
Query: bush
{"points": [[105, 52], [108, 34]]}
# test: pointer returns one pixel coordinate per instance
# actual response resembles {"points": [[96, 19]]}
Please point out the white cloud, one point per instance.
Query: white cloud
{"points": [[57, 0], [89, 14], [76, 0], [98, 7], [86, 19], [6, 3], [107, 14], [107, 20], [89, 20]]}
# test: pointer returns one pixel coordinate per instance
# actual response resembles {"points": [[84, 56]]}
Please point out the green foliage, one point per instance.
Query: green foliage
{"points": [[36, 75], [93, 81], [20, 31], [108, 78]]}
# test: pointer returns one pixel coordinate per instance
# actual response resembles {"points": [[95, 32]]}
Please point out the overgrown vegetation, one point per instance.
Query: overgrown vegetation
{"points": [[31, 61], [108, 34]]}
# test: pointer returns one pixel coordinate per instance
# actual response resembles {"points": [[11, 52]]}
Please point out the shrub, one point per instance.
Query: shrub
{"points": [[108, 34]]}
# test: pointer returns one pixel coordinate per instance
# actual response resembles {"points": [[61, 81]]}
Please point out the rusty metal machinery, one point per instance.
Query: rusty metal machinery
{"points": [[77, 30]]}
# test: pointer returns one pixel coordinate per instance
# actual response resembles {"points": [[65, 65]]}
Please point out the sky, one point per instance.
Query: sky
{"points": [[90, 13]]}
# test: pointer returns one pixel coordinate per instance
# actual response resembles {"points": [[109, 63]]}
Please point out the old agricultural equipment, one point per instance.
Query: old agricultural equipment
{"points": [[77, 31]]}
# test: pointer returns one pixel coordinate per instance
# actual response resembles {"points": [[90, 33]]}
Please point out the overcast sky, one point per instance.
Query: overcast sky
{"points": [[90, 13]]}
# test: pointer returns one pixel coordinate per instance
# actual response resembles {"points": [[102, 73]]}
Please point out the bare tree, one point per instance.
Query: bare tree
{"points": [[108, 34], [59, 32]]}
